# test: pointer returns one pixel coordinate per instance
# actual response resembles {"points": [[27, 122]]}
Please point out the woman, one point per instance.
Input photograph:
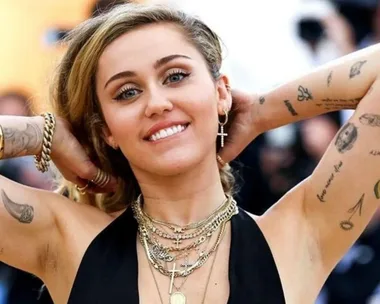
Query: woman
{"points": [[140, 89]]}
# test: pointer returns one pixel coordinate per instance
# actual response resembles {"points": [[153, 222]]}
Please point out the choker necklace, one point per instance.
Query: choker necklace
{"points": [[175, 261]]}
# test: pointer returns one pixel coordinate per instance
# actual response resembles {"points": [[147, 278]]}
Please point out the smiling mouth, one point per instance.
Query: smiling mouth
{"points": [[168, 132]]}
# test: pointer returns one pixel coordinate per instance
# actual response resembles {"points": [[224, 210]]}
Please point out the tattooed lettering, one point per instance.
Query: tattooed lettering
{"points": [[262, 100], [376, 189], [1, 251], [22, 142], [329, 78], [374, 152], [356, 68], [321, 196], [22, 212], [338, 104], [372, 120], [304, 94], [346, 138], [348, 224], [290, 108]]}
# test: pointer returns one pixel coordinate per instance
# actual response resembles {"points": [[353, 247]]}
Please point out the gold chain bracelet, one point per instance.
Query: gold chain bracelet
{"points": [[42, 160]]}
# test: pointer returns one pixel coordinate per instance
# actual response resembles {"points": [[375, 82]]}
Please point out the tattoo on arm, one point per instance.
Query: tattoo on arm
{"points": [[338, 104], [262, 100], [304, 94], [346, 137], [22, 142], [368, 119], [329, 78], [22, 212], [348, 224], [376, 189], [356, 68], [290, 108], [374, 152], [1, 251]]}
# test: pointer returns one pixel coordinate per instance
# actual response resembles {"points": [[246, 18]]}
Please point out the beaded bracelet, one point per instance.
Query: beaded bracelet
{"points": [[42, 160]]}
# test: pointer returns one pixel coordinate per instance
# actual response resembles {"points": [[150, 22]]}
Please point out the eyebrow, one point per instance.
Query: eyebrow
{"points": [[159, 63]]}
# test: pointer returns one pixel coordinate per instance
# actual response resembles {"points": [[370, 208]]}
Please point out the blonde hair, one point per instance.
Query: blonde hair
{"points": [[74, 93]]}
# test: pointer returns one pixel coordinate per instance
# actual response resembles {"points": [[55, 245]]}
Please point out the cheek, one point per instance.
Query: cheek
{"points": [[120, 121]]}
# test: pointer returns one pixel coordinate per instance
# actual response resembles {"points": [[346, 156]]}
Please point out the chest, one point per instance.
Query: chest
{"points": [[208, 284]]}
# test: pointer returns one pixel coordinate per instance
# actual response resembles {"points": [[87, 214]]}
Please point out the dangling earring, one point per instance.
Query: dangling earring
{"points": [[222, 124]]}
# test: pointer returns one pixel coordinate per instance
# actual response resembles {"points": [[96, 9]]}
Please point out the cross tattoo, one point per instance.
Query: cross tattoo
{"points": [[222, 135], [173, 271], [177, 241]]}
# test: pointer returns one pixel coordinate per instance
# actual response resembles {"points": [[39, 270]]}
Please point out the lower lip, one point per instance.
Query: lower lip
{"points": [[169, 137]]}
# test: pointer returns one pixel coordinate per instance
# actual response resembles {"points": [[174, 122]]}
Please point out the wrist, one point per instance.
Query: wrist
{"points": [[39, 122]]}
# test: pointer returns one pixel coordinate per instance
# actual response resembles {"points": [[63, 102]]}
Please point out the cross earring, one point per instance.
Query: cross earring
{"points": [[222, 124]]}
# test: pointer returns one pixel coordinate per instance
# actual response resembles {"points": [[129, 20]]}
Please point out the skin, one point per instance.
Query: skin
{"points": [[308, 230]]}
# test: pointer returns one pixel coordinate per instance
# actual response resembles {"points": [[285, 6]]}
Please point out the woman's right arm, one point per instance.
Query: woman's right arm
{"points": [[29, 223]]}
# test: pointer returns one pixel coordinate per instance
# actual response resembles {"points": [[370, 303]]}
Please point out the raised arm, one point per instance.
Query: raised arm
{"points": [[342, 194], [30, 218], [26, 218]]}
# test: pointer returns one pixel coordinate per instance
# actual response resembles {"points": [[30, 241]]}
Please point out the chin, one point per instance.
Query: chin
{"points": [[171, 164]]}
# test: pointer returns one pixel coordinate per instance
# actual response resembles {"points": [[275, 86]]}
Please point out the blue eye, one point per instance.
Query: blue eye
{"points": [[127, 93], [175, 77]]}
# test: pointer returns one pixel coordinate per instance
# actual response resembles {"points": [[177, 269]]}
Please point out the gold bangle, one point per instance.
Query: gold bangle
{"points": [[42, 160], [1, 142]]}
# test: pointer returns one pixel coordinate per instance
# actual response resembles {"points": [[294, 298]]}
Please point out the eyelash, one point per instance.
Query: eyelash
{"points": [[172, 73]]}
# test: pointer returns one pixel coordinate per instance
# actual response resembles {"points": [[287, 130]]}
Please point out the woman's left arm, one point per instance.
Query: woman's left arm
{"points": [[343, 192]]}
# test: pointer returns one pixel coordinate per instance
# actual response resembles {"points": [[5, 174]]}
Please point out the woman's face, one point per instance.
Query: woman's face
{"points": [[159, 100]]}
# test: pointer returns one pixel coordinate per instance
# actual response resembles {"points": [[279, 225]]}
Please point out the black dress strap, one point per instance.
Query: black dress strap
{"points": [[108, 271], [253, 274]]}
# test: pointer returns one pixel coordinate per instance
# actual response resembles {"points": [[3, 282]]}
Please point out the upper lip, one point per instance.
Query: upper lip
{"points": [[163, 125]]}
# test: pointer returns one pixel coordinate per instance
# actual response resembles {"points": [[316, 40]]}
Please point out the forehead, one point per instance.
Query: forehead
{"points": [[143, 47]]}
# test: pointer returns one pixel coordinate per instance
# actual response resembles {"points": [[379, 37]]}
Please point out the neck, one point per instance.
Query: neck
{"points": [[185, 198]]}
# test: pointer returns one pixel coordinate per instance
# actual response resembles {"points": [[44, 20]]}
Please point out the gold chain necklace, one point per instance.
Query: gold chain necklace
{"points": [[159, 255], [178, 297]]}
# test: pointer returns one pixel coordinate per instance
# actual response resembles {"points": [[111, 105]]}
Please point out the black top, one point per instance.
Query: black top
{"points": [[108, 271]]}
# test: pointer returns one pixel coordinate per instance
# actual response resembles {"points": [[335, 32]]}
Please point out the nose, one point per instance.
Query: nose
{"points": [[157, 104]]}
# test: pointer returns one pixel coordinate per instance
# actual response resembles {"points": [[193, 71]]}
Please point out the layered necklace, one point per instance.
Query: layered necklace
{"points": [[191, 244]]}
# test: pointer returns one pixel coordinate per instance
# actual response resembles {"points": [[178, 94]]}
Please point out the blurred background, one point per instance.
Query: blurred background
{"points": [[266, 43]]}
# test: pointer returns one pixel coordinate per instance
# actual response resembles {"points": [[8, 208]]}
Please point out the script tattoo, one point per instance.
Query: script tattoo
{"points": [[22, 212], [321, 196], [372, 120], [1, 251], [22, 142], [346, 137], [290, 108], [374, 152], [262, 100], [304, 94], [356, 68], [329, 78], [348, 224], [338, 104]]}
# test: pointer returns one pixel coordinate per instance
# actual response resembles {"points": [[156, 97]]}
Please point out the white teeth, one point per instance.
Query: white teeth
{"points": [[163, 134], [167, 132]]}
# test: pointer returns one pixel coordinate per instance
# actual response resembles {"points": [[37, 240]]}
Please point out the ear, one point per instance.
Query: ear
{"points": [[108, 138], [223, 94]]}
